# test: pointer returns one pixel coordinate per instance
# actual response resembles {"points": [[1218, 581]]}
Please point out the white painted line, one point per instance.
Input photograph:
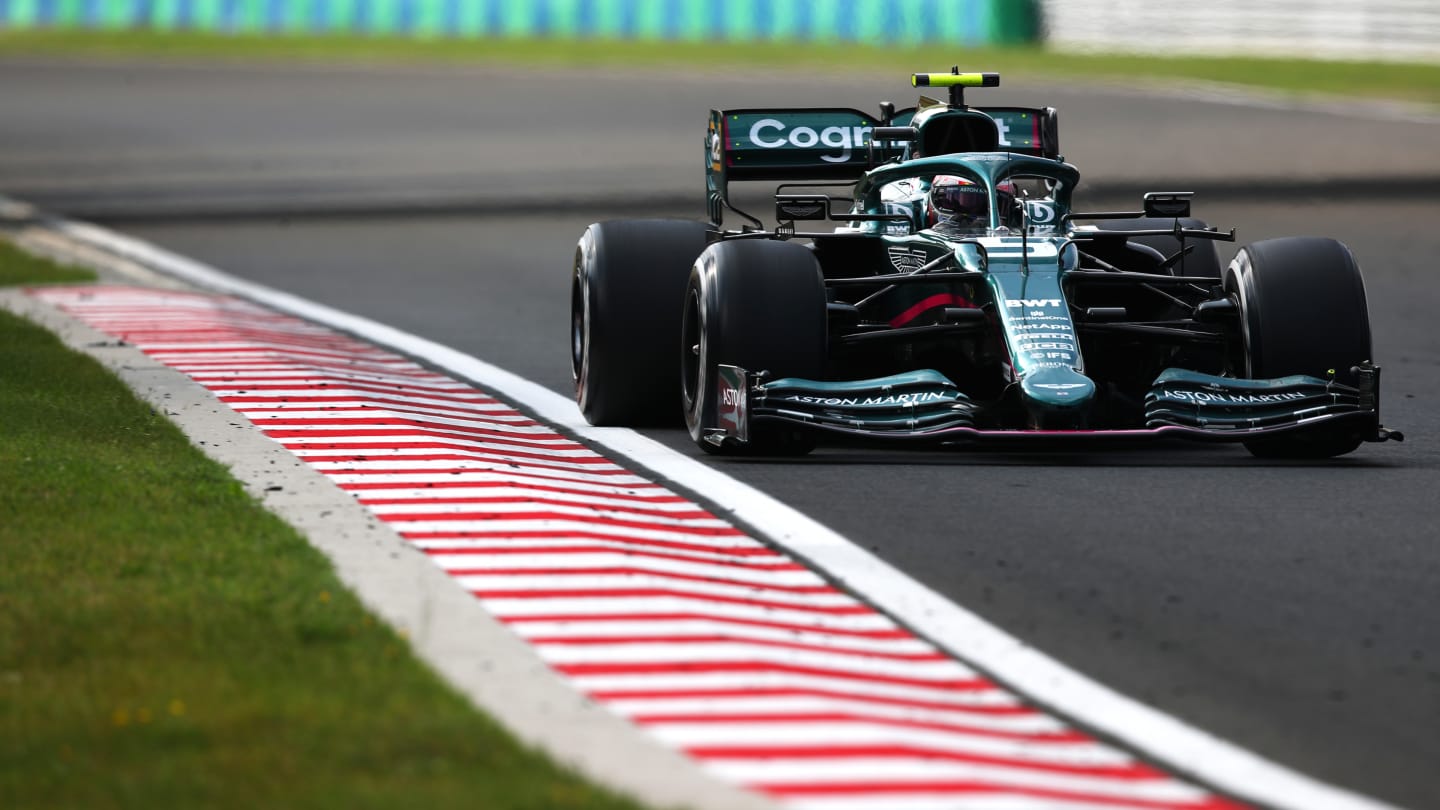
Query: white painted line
{"points": [[791, 682], [1184, 748], [803, 772], [1021, 723], [1078, 754]]}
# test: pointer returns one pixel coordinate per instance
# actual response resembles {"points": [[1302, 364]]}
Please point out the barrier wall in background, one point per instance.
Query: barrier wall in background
{"points": [[1382, 30], [1327, 29], [965, 22]]}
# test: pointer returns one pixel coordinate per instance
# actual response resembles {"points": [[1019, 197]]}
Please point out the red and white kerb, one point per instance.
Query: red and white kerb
{"points": [[702, 635]]}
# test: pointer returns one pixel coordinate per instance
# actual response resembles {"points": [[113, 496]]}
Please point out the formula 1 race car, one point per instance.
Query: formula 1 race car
{"points": [[959, 297]]}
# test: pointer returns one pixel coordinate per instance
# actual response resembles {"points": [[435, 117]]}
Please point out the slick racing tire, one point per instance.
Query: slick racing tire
{"points": [[626, 289], [1302, 311], [1201, 261], [760, 305]]}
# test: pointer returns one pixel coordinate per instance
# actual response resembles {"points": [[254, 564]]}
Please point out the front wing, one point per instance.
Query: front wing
{"points": [[924, 407]]}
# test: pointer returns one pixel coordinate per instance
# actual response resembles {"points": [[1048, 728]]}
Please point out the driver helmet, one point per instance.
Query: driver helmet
{"points": [[957, 203], [960, 204]]}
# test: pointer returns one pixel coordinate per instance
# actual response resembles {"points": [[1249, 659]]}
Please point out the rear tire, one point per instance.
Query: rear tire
{"points": [[626, 289], [1302, 311], [760, 305]]}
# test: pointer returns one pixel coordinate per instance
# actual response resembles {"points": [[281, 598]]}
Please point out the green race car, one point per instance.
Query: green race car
{"points": [[957, 296]]}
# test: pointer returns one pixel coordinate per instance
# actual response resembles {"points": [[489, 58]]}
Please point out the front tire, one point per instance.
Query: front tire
{"points": [[759, 305], [626, 288], [1302, 311]]}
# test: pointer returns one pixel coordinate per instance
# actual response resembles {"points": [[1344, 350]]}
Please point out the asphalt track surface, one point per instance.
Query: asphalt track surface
{"points": [[1291, 608]]}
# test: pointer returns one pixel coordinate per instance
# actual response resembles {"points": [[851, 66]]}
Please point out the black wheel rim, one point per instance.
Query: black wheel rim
{"points": [[691, 349], [577, 321]]}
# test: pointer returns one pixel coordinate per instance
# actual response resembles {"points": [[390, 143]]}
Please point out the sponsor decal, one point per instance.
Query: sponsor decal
{"points": [[899, 228], [802, 210], [1040, 213], [908, 259], [770, 133], [1060, 386], [1231, 398], [1040, 216], [1016, 128], [806, 399], [1002, 127], [918, 398], [730, 411], [715, 148], [1047, 340]]}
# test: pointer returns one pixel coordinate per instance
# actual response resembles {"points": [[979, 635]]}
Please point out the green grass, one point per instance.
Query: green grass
{"points": [[19, 267], [1408, 82], [166, 642]]}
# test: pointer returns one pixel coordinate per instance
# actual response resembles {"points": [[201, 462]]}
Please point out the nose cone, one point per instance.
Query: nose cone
{"points": [[1057, 398]]}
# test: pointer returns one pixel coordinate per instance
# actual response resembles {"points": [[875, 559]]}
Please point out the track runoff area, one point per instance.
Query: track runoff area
{"points": [[735, 649]]}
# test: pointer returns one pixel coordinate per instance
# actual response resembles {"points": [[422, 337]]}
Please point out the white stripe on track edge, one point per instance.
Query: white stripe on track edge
{"points": [[1183, 748]]}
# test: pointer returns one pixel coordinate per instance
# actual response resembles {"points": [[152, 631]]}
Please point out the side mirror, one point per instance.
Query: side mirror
{"points": [[881, 139], [906, 134], [971, 256], [1168, 203]]}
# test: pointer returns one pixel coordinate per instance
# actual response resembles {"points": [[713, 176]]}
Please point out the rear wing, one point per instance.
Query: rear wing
{"points": [[822, 143], [833, 144]]}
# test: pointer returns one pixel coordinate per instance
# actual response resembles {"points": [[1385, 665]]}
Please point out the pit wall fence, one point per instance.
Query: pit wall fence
{"points": [[1368, 30], [906, 22]]}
